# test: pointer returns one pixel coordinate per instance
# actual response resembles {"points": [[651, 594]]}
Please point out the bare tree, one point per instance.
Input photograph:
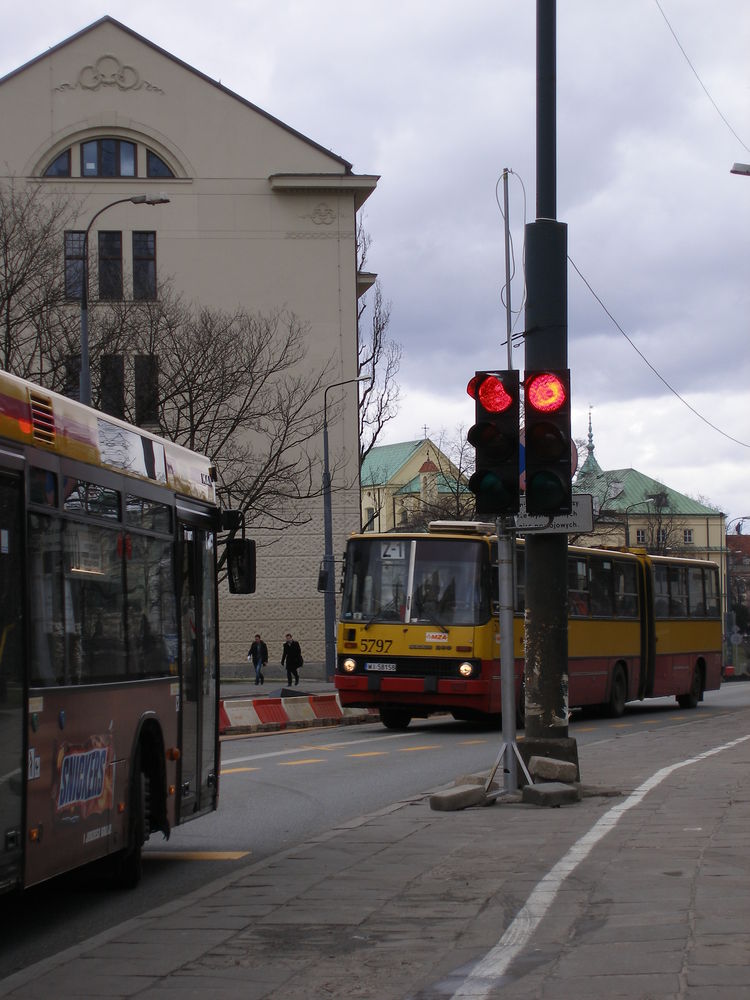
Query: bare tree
{"points": [[444, 494], [379, 358], [32, 280], [234, 386]]}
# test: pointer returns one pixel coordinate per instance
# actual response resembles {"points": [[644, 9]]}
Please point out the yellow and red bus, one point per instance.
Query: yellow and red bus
{"points": [[109, 660], [419, 633]]}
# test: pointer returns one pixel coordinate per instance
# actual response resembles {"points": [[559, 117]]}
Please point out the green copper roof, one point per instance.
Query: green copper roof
{"points": [[618, 489], [384, 461]]}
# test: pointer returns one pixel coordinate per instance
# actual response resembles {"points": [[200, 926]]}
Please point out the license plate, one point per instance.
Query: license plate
{"points": [[389, 668]]}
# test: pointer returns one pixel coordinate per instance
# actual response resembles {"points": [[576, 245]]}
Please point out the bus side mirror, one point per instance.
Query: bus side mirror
{"points": [[322, 579], [241, 565]]}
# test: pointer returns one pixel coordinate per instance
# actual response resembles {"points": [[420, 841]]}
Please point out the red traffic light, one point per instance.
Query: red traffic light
{"points": [[546, 392], [489, 391]]}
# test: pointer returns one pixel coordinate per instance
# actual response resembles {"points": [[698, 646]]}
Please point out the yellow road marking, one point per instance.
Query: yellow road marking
{"points": [[427, 746], [195, 855], [238, 770], [471, 743], [308, 760], [585, 729], [649, 722], [622, 725], [370, 753]]}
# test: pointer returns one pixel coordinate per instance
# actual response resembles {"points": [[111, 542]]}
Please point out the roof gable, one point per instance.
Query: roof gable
{"points": [[618, 489], [382, 463], [112, 22]]}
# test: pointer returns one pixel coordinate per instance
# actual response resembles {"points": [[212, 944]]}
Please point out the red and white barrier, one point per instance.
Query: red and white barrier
{"points": [[249, 715]]}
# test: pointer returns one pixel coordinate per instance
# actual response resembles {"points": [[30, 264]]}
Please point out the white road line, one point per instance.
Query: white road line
{"points": [[483, 977]]}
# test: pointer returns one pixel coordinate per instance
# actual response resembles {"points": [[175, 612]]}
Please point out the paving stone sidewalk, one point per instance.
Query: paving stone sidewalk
{"points": [[413, 904]]}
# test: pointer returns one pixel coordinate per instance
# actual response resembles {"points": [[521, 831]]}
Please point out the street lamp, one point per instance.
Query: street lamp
{"points": [[741, 168], [627, 523], [84, 392], [329, 606]]}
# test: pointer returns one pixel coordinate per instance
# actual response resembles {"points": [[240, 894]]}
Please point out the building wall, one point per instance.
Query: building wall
{"points": [[259, 217]]}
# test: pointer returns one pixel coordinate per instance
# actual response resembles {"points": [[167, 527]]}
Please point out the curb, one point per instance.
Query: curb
{"points": [[252, 715]]}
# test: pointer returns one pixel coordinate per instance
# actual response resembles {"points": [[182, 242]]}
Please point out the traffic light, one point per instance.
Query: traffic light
{"points": [[547, 442], [495, 436]]}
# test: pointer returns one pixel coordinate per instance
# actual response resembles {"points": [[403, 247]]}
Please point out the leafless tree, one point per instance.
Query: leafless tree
{"points": [[32, 280], [445, 496], [379, 357]]}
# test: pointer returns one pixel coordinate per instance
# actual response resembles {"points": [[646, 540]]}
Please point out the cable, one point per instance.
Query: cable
{"points": [[515, 312], [695, 73], [661, 378]]}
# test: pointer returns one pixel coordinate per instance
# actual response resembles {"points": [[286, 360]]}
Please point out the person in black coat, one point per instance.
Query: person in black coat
{"points": [[291, 658], [258, 656]]}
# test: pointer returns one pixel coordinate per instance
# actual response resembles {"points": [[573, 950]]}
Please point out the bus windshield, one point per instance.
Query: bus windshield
{"points": [[417, 580]]}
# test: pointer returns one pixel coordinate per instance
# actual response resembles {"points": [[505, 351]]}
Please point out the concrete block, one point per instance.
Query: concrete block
{"points": [[476, 779], [458, 797], [551, 769], [550, 793]]}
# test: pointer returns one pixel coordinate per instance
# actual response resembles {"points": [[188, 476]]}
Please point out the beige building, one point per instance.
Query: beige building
{"points": [[259, 216]]}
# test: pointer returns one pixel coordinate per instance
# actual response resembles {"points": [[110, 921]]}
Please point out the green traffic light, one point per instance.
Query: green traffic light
{"points": [[546, 493]]}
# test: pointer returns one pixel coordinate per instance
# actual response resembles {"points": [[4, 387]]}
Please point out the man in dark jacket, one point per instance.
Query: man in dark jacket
{"points": [[291, 658], [258, 656]]}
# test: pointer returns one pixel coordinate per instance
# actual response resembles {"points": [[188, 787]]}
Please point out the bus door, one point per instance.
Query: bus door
{"points": [[11, 676], [199, 739]]}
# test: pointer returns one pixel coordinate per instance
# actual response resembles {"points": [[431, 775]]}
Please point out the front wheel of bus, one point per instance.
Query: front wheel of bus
{"points": [[618, 694], [394, 718]]}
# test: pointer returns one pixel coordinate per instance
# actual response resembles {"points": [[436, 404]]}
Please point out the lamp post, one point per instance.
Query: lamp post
{"points": [[329, 606], [741, 168], [627, 523], [84, 392]]}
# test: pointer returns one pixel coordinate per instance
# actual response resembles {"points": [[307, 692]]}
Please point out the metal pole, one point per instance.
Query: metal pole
{"points": [[507, 656], [329, 596], [508, 322]]}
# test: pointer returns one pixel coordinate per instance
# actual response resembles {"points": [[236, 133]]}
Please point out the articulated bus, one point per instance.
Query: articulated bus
{"points": [[419, 633], [108, 637]]}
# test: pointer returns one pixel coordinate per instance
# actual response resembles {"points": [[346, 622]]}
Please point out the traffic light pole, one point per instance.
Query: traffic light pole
{"points": [[546, 342]]}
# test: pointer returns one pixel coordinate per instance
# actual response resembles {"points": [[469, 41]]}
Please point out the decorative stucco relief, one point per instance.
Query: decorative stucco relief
{"points": [[109, 71]]}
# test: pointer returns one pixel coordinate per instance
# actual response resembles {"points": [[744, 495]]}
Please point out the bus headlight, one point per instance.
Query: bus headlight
{"points": [[349, 665], [466, 669]]}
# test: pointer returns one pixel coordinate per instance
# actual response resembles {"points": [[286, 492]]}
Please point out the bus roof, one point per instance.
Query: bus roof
{"points": [[41, 418]]}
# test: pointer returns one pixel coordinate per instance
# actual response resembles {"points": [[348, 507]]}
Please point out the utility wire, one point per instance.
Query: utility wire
{"points": [[703, 86], [658, 374]]}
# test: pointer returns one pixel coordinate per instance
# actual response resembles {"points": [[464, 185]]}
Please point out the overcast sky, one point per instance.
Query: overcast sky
{"points": [[438, 97]]}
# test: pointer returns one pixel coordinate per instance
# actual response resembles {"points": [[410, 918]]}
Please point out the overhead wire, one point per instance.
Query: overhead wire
{"points": [[656, 372]]}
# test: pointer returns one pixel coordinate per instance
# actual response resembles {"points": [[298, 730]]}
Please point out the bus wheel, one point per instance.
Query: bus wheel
{"points": [[618, 694], [691, 699], [394, 718], [129, 863]]}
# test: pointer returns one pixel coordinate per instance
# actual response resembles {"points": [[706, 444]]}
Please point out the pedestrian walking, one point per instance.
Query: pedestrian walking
{"points": [[258, 656], [291, 658]]}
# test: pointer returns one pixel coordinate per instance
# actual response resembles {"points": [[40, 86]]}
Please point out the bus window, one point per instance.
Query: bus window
{"points": [[626, 596], [152, 609], [376, 579], [89, 498], [678, 598], [43, 487], [48, 623], [578, 588], [94, 603], [661, 592], [696, 597], [448, 583], [600, 585], [711, 579]]}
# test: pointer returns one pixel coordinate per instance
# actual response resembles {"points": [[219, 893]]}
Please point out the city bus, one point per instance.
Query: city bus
{"points": [[109, 660], [419, 633]]}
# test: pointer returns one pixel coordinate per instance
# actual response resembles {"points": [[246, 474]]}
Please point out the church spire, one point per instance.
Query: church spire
{"points": [[590, 466]]}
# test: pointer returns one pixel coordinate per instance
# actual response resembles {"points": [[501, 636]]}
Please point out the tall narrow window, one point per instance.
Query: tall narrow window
{"points": [[74, 244], [110, 265], [144, 265]]}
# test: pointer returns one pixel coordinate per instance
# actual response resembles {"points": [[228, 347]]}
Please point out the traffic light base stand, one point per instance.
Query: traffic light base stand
{"points": [[563, 748]]}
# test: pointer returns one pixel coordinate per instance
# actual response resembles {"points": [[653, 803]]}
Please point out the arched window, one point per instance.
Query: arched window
{"points": [[109, 157]]}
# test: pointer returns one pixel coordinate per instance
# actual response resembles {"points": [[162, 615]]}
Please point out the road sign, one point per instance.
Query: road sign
{"points": [[579, 522]]}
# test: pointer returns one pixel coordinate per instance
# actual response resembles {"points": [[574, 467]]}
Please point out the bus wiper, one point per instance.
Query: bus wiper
{"points": [[431, 620], [390, 606]]}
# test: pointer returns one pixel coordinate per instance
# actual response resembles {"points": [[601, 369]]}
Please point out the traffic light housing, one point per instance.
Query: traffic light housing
{"points": [[495, 437], [547, 444]]}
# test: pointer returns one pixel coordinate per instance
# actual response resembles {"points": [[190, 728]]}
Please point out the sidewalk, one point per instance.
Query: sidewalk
{"points": [[639, 891]]}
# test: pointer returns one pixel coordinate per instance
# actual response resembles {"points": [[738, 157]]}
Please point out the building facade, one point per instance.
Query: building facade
{"points": [[259, 217]]}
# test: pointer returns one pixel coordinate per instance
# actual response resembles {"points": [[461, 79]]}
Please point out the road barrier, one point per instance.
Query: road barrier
{"points": [[251, 715]]}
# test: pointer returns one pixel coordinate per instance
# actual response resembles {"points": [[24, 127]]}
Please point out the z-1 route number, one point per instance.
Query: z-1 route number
{"points": [[375, 645]]}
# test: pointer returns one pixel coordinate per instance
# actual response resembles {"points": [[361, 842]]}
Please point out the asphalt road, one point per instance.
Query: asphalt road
{"points": [[280, 789]]}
